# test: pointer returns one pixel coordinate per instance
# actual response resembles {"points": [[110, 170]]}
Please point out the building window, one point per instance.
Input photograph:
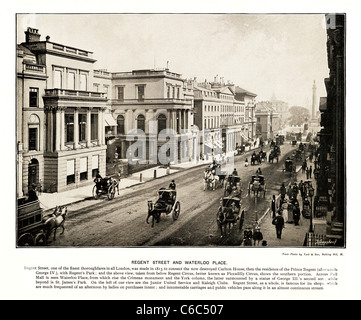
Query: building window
{"points": [[178, 93], [83, 82], [120, 93], [94, 126], [57, 79], [140, 92], [168, 92], [69, 128], [33, 139], [105, 90], [120, 125], [95, 87], [33, 97], [70, 171], [95, 165], [141, 122], [162, 122], [83, 168], [82, 127], [71, 80]]}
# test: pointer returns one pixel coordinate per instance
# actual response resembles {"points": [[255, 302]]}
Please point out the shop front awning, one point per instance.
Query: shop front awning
{"points": [[109, 120]]}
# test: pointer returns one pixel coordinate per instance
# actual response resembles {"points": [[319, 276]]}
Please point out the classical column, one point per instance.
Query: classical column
{"points": [[179, 121], [101, 136], [62, 128], [129, 120], [76, 128], [174, 120], [57, 128]]}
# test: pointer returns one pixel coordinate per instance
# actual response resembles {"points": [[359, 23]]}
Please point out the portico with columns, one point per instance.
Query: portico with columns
{"points": [[75, 140]]}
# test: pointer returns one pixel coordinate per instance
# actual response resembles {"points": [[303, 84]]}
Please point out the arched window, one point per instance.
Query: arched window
{"points": [[120, 125], [141, 122], [162, 122]]}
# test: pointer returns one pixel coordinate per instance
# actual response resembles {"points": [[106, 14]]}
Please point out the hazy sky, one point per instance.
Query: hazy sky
{"points": [[263, 53]]}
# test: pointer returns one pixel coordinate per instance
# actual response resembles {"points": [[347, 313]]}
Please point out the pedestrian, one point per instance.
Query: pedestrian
{"points": [[290, 192], [296, 214], [247, 236], [32, 194], [310, 172], [307, 172], [279, 223], [273, 206], [295, 190], [257, 236], [284, 210], [301, 187], [283, 191], [264, 243]]}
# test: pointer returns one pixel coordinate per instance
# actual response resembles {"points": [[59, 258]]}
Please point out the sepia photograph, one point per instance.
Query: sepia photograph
{"points": [[180, 130]]}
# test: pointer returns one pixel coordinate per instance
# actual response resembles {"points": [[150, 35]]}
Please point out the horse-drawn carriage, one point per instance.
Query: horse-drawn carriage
{"points": [[105, 186], [29, 223], [229, 212], [213, 178], [280, 139], [257, 184], [165, 202], [232, 186], [255, 158], [263, 155], [298, 155], [33, 227], [289, 166], [273, 154]]}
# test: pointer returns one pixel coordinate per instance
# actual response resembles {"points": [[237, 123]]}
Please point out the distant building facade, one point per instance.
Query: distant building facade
{"points": [[268, 121]]}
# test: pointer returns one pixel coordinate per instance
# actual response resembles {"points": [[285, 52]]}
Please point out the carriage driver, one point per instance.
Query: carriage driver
{"points": [[172, 185], [98, 181]]}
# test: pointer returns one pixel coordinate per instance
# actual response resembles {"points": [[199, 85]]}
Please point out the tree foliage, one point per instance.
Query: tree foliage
{"points": [[298, 115]]}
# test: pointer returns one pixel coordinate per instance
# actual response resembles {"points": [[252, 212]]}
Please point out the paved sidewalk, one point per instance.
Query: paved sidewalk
{"points": [[292, 236]]}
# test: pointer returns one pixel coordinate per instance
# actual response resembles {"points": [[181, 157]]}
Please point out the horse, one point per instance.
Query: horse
{"points": [[226, 218], [53, 221], [154, 211], [210, 180], [272, 155]]}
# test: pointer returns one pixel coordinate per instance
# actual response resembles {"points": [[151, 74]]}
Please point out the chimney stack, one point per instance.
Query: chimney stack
{"points": [[32, 35]]}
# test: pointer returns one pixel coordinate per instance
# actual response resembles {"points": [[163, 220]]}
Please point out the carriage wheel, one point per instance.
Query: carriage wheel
{"points": [[95, 193], [111, 192], [26, 240], [176, 210], [40, 239]]}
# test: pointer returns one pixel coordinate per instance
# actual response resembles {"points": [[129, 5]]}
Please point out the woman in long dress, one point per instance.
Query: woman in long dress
{"points": [[285, 210]]}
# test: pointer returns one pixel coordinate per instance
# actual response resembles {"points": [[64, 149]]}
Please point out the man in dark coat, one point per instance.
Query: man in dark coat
{"points": [[279, 223], [273, 206], [296, 214], [32, 196], [172, 185]]}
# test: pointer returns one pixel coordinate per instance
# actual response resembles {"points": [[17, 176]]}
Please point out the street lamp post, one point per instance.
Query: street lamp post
{"points": [[311, 193]]}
